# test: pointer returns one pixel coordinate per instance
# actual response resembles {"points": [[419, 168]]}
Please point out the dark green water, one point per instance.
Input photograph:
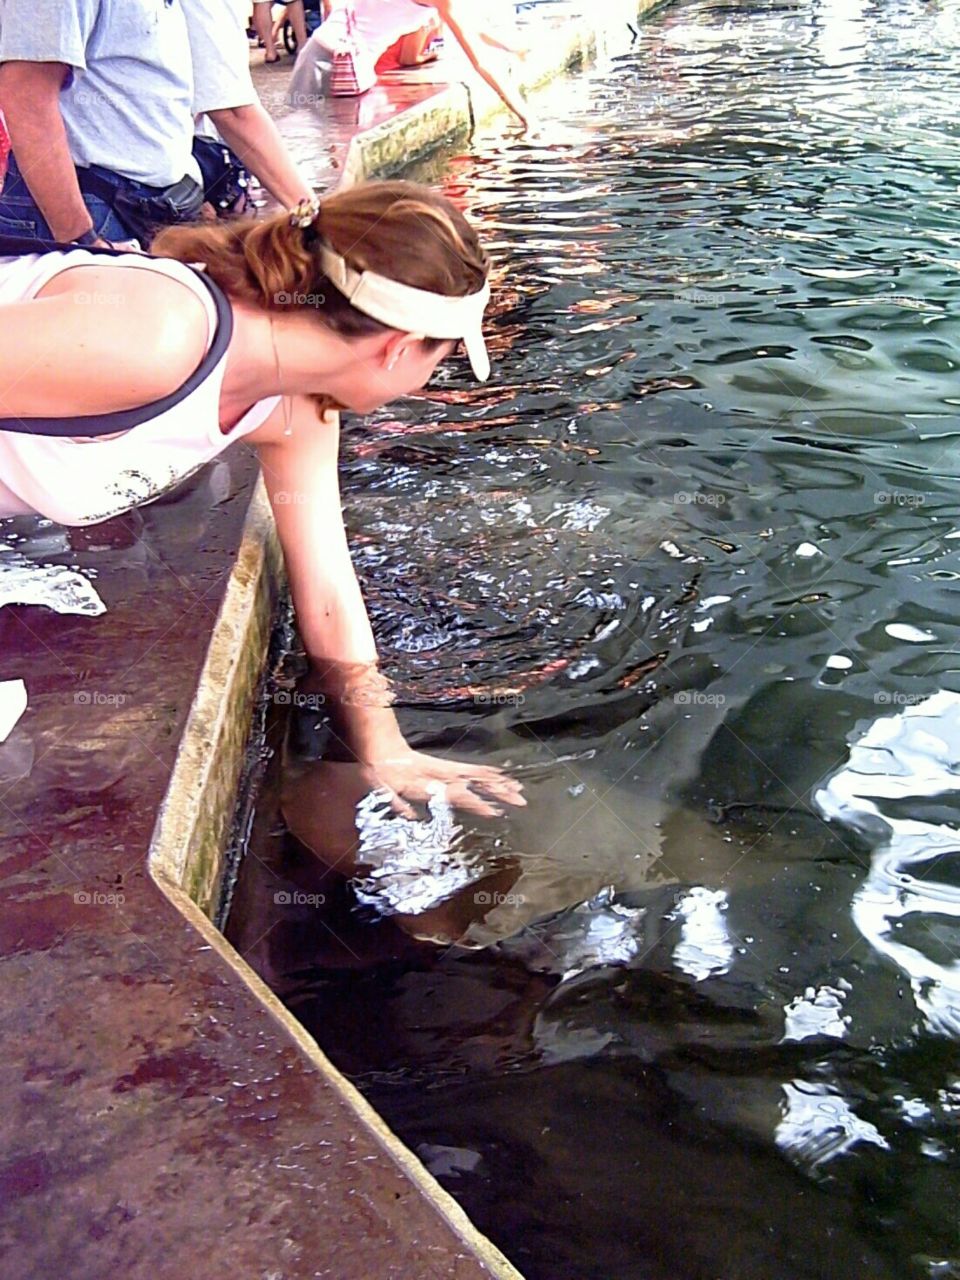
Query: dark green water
{"points": [[695, 541]]}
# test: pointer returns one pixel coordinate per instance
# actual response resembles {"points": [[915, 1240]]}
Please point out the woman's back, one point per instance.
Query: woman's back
{"points": [[78, 479]]}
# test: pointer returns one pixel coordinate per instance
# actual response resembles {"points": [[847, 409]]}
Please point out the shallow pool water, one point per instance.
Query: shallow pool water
{"points": [[688, 563]]}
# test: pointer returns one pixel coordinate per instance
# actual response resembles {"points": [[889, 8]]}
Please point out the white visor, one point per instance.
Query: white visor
{"points": [[414, 310]]}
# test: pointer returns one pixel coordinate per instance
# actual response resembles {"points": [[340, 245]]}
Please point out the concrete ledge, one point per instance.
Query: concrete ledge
{"points": [[193, 826], [393, 143], [367, 1119], [164, 1117]]}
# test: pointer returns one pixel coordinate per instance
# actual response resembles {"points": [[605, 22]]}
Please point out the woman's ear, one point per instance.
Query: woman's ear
{"points": [[399, 346]]}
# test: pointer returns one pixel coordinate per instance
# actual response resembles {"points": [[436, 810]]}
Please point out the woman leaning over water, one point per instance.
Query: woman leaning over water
{"points": [[121, 374]]}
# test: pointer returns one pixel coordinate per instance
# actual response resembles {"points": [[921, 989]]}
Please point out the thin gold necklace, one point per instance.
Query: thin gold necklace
{"points": [[285, 400]]}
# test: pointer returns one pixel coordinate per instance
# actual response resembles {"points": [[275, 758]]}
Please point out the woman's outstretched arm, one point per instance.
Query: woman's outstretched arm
{"points": [[300, 473], [454, 14]]}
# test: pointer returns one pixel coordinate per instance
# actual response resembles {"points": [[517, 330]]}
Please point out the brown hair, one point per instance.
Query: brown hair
{"points": [[401, 230]]}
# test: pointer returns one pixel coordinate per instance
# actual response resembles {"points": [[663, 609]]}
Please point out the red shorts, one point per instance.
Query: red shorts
{"points": [[390, 60]]}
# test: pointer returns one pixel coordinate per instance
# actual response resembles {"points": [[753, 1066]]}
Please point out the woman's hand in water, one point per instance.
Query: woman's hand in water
{"points": [[410, 775]]}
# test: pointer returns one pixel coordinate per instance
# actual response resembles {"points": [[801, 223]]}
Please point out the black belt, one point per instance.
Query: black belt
{"points": [[143, 213]]}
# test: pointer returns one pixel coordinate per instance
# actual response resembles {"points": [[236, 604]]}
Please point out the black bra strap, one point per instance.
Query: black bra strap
{"points": [[102, 424]]}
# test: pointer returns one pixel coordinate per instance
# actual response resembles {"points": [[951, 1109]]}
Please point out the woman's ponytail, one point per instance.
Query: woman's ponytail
{"points": [[400, 230]]}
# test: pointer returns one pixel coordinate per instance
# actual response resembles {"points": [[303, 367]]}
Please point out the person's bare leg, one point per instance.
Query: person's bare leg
{"points": [[411, 49], [263, 25], [298, 20]]}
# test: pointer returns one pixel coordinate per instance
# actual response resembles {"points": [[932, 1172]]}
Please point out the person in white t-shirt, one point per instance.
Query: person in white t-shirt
{"points": [[102, 141], [225, 93]]}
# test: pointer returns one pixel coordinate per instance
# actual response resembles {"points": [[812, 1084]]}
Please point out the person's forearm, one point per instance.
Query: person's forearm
{"points": [[513, 101], [339, 641], [29, 101], [254, 138], [336, 632], [359, 697], [300, 474]]}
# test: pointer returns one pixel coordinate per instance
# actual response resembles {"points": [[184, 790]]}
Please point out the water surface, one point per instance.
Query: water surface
{"points": [[689, 564]]}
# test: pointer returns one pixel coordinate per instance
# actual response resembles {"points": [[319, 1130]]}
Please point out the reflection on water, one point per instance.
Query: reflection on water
{"points": [[908, 907], [50, 586], [411, 865], [688, 565], [818, 1124]]}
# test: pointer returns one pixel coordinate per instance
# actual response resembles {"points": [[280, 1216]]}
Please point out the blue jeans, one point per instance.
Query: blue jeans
{"points": [[20, 216]]}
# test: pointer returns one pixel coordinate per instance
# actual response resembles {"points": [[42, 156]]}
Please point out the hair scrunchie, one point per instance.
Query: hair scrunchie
{"points": [[304, 213]]}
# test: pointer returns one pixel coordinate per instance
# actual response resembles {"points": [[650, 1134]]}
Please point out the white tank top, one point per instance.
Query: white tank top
{"points": [[77, 481]]}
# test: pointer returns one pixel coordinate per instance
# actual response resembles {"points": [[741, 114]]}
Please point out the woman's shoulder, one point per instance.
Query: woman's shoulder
{"points": [[144, 329]]}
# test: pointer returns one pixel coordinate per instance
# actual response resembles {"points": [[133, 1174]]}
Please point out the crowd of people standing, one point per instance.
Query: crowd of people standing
{"points": [[102, 101], [104, 147]]}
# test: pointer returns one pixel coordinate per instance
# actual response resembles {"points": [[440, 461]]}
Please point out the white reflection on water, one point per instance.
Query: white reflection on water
{"points": [[818, 1012], [907, 756], [591, 935], [817, 1124], [704, 948], [412, 864]]}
